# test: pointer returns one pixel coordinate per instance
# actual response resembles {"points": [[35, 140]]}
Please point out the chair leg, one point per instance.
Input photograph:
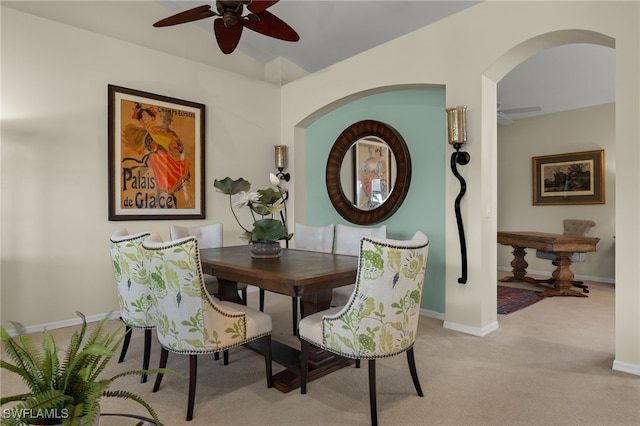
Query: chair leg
{"points": [[243, 293], [125, 343], [294, 314], [193, 375], [414, 372], [267, 360], [147, 354], [216, 356], [372, 392], [164, 354], [304, 365], [261, 300], [225, 357]]}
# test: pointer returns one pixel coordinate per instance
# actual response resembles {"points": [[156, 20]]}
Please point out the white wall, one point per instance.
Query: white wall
{"points": [[469, 53], [55, 232], [584, 129]]}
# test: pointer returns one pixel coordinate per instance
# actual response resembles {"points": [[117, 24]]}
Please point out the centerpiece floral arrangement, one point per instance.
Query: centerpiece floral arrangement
{"points": [[263, 204]]}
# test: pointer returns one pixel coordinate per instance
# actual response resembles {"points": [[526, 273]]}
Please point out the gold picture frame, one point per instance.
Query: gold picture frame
{"points": [[572, 178], [156, 156]]}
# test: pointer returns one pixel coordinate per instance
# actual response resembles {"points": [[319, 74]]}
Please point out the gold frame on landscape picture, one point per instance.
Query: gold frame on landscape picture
{"points": [[156, 156], [572, 178]]}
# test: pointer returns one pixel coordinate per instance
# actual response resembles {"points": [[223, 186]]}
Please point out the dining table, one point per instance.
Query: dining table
{"points": [[309, 275]]}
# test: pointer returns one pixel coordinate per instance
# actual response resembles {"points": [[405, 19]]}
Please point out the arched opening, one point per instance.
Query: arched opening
{"points": [[561, 132]]}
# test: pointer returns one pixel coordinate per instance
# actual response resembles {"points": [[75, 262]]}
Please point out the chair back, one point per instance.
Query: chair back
{"points": [[132, 279], [208, 236], [188, 319], [348, 237], [314, 238], [381, 317], [577, 226]]}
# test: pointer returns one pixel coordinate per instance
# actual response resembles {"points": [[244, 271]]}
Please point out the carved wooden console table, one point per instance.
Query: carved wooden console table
{"points": [[562, 245]]}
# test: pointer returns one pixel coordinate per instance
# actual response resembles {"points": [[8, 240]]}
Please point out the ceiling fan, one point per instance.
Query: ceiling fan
{"points": [[503, 115], [230, 22]]}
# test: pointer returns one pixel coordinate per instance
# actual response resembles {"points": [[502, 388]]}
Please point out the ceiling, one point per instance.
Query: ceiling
{"points": [[557, 79]]}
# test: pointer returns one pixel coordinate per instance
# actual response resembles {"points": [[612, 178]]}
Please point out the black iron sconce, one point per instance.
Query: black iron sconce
{"points": [[281, 162], [457, 134]]}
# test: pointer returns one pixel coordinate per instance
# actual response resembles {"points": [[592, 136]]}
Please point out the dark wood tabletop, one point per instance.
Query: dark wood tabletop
{"points": [[295, 272]]}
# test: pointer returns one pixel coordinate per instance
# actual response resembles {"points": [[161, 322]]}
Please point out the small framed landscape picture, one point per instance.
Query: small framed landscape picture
{"points": [[156, 156], [573, 178]]}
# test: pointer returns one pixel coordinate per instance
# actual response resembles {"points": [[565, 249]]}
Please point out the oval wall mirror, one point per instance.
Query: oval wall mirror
{"points": [[368, 172]]}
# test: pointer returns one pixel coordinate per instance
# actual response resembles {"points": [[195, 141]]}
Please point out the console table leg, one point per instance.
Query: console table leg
{"points": [[519, 267], [563, 278]]}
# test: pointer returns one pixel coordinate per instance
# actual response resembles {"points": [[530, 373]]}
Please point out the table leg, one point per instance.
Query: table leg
{"points": [[519, 267], [228, 290], [563, 278], [321, 362]]}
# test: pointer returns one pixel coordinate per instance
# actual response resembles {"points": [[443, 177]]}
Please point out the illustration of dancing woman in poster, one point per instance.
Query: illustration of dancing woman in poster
{"points": [[162, 152]]}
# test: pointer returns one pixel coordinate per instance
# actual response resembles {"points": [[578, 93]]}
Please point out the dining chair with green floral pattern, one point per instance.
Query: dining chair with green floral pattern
{"points": [[189, 320], [134, 293], [380, 318], [209, 236]]}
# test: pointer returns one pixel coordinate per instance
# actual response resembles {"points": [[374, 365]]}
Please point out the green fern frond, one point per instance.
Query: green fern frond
{"points": [[21, 397], [130, 395], [49, 400], [148, 372], [71, 385]]}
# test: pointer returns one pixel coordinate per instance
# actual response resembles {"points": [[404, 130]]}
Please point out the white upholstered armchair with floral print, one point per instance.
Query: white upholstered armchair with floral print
{"points": [[381, 317], [189, 320], [134, 292]]}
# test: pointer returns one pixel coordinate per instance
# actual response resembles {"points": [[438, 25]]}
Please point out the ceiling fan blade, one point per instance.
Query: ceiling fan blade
{"points": [[521, 110], [227, 38], [257, 6], [195, 14], [272, 26]]}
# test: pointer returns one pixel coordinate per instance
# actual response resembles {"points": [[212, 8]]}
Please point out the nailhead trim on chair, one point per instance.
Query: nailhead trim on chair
{"points": [[352, 300]]}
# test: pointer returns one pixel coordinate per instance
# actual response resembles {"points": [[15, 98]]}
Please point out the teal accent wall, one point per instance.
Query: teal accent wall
{"points": [[419, 116]]}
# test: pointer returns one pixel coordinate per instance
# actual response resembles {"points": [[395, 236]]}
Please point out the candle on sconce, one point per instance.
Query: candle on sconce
{"points": [[457, 124], [281, 157]]}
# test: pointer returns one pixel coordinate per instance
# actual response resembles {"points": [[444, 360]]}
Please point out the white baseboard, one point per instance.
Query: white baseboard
{"points": [[547, 273], [38, 328], [432, 314], [480, 332], [626, 367]]}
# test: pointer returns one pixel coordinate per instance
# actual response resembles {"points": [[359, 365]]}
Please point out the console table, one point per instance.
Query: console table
{"points": [[563, 245]]}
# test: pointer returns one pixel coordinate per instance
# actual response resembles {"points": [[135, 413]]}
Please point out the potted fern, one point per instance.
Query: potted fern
{"points": [[66, 392]]}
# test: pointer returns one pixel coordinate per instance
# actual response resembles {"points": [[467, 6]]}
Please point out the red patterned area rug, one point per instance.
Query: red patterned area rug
{"points": [[513, 299]]}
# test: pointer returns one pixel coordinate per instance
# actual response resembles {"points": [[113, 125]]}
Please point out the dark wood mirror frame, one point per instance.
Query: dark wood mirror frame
{"points": [[347, 138]]}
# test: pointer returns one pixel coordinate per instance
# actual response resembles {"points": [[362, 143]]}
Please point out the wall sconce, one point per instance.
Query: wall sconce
{"points": [[457, 134], [281, 162]]}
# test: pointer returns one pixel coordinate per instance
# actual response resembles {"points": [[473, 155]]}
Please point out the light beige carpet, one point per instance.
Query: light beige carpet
{"points": [[548, 364]]}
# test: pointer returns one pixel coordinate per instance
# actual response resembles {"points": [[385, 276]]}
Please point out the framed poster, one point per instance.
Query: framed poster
{"points": [[372, 159], [156, 156], [574, 178]]}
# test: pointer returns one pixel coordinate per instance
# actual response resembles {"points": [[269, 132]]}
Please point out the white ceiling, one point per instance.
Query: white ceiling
{"points": [[557, 79]]}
